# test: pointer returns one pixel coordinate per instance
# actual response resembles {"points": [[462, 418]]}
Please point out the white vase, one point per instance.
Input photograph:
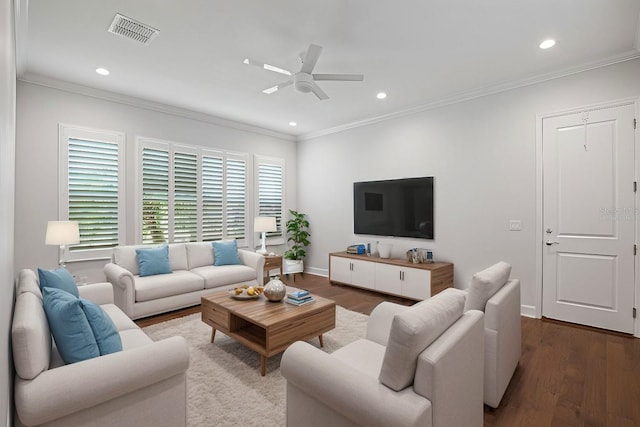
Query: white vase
{"points": [[384, 249], [275, 290]]}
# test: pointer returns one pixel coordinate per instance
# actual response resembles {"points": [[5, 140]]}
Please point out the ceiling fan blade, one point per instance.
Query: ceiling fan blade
{"points": [[339, 77], [255, 63], [310, 59], [319, 92], [277, 87]]}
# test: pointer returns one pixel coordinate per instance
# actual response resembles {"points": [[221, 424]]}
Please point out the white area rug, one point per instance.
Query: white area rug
{"points": [[224, 385]]}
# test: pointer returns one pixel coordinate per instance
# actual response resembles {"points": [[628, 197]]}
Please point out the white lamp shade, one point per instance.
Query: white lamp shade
{"points": [[62, 233], [264, 223]]}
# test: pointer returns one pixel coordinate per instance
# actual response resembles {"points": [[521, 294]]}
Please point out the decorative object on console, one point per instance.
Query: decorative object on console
{"points": [[62, 233], [420, 256], [275, 290], [384, 249], [262, 224]]}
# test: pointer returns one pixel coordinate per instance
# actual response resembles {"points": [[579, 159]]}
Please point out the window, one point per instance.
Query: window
{"points": [[269, 173], [92, 188], [191, 194]]}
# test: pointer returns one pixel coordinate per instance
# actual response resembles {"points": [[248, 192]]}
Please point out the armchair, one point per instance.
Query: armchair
{"points": [[492, 292], [417, 366]]}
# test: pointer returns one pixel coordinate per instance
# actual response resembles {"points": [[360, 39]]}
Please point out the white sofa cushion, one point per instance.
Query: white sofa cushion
{"points": [[167, 285], [30, 337], [133, 338], [121, 320], [178, 256], [221, 275], [484, 284], [412, 331], [199, 254], [362, 355]]}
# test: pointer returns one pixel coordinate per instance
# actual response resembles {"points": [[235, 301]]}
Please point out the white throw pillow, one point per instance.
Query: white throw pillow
{"points": [[486, 283], [412, 331]]}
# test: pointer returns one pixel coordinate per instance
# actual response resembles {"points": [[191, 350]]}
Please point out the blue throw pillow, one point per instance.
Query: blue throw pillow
{"points": [[69, 326], [225, 253], [104, 331], [153, 261], [58, 279]]}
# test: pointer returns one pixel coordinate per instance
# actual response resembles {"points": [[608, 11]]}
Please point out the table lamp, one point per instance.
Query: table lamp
{"points": [[262, 224], [62, 233]]}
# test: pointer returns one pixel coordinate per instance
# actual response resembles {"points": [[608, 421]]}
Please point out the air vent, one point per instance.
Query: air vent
{"points": [[132, 29]]}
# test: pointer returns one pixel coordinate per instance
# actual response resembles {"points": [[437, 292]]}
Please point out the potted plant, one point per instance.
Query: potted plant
{"points": [[297, 229]]}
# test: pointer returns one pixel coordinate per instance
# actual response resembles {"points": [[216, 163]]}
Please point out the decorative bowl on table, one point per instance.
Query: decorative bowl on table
{"points": [[246, 292]]}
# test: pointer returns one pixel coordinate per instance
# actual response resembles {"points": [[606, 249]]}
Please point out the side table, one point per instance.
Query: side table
{"points": [[272, 262]]}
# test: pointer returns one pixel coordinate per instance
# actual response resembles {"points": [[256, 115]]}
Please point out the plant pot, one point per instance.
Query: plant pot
{"points": [[292, 266]]}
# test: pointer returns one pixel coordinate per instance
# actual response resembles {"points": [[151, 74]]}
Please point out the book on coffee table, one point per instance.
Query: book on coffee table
{"points": [[303, 301], [299, 295]]}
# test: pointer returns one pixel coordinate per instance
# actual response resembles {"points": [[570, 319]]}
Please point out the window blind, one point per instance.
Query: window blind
{"points": [[212, 198], [93, 192], [155, 195], [236, 195], [185, 197]]}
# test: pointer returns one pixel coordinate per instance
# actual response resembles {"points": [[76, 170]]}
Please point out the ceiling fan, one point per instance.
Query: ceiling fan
{"points": [[304, 81]]}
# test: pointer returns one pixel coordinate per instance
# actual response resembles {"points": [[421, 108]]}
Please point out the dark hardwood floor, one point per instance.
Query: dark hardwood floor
{"points": [[568, 375]]}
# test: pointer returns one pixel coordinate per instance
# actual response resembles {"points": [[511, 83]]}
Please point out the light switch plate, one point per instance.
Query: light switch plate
{"points": [[515, 225]]}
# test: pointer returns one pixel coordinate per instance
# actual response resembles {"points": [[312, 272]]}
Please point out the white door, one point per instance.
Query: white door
{"points": [[416, 283], [589, 218]]}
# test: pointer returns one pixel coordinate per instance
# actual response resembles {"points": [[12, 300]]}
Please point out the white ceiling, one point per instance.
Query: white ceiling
{"points": [[421, 52]]}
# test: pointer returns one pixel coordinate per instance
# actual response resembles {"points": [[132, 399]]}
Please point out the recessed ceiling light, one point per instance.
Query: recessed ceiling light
{"points": [[547, 44], [381, 95], [102, 71], [293, 124]]}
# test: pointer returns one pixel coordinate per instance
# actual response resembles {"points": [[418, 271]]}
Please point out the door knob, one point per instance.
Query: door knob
{"points": [[549, 243]]}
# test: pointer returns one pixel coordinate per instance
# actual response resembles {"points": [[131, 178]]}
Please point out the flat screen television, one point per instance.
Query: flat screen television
{"points": [[397, 207]]}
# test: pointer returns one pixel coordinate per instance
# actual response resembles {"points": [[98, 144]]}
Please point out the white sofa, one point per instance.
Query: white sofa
{"points": [[142, 385], [356, 385], [193, 276]]}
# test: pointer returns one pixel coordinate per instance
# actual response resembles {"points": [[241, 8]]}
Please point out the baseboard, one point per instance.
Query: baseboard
{"points": [[528, 311], [317, 271]]}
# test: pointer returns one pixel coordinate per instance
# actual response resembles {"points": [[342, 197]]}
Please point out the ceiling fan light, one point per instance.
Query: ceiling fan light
{"points": [[303, 82]]}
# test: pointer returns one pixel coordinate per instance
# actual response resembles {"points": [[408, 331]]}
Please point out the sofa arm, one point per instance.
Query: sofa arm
{"points": [[62, 391], [100, 293], [124, 291], [348, 392], [255, 261], [379, 324]]}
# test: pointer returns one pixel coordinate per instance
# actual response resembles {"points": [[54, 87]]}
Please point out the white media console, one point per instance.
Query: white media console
{"points": [[390, 276]]}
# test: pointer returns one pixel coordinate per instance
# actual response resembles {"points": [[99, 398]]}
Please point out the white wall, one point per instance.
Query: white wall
{"points": [[40, 109], [7, 158], [482, 154]]}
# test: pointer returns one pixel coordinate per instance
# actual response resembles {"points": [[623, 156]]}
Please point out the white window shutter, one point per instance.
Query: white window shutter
{"points": [[185, 197], [93, 192], [212, 198], [155, 195]]}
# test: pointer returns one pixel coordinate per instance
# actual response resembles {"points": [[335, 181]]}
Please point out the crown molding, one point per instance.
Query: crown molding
{"points": [[477, 93], [150, 105]]}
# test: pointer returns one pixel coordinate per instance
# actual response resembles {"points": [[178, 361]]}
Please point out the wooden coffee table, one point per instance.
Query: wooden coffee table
{"points": [[265, 327]]}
